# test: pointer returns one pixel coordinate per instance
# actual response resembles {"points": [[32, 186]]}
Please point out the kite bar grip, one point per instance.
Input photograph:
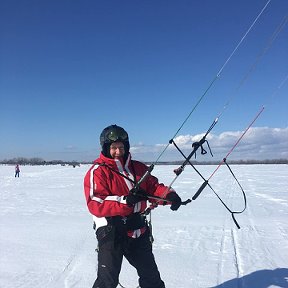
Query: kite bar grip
{"points": [[200, 190]]}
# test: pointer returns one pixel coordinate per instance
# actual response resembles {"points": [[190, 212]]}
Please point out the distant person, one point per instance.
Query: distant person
{"points": [[119, 221], [17, 170]]}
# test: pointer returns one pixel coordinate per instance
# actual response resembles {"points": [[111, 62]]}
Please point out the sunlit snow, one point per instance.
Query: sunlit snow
{"points": [[47, 240]]}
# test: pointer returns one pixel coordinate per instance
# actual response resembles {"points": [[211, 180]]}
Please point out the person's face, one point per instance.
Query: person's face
{"points": [[117, 150]]}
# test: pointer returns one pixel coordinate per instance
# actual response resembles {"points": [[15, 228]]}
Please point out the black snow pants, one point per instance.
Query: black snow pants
{"points": [[112, 246]]}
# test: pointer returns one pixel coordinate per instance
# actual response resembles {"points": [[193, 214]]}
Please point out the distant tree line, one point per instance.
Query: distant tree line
{"points": [[40, 161]]}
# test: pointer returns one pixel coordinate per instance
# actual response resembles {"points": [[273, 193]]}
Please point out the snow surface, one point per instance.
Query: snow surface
{"points": [[47, 240]]}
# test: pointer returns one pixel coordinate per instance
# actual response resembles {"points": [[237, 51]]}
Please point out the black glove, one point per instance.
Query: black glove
{"points": [[135, 196], [175, 200]]}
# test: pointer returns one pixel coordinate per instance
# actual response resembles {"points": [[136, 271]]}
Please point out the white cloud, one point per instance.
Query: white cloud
{"points": [[258, 143]]}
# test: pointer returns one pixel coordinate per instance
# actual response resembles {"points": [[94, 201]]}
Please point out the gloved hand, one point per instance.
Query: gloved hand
{"points": [[174, 199], [135, 196]]}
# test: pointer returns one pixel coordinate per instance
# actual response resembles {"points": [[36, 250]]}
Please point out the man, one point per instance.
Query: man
{"points": [[117, 208]]}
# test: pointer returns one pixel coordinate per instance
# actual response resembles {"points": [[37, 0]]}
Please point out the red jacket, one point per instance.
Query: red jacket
{"points": [[105, 189]]}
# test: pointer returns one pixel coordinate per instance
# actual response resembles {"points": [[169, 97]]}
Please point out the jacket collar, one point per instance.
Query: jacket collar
{"points": [[113, 162]]}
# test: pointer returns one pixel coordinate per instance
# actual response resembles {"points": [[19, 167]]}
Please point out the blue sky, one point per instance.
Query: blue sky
{"points": [[70, 68]]}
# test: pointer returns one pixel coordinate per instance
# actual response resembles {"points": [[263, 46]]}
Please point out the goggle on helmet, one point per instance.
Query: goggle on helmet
{"points": [[112, 134]]}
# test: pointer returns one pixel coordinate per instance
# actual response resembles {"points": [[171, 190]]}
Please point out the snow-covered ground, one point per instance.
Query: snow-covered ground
{"points": [[47, 240]]}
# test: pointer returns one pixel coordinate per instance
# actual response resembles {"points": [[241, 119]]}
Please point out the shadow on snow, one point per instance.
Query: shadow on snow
{"points": [[259, 279]]}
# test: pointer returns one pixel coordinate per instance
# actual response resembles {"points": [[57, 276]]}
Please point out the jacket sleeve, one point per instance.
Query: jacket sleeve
{"points": [[152, 186], [100, 201], [157, 189]]}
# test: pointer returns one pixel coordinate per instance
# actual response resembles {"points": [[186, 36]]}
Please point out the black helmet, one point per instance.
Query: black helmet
{"points": [[112, 134]]}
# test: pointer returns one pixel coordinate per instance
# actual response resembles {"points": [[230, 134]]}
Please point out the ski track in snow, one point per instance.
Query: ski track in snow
{"points": [[44, 215], [68, 276]]}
